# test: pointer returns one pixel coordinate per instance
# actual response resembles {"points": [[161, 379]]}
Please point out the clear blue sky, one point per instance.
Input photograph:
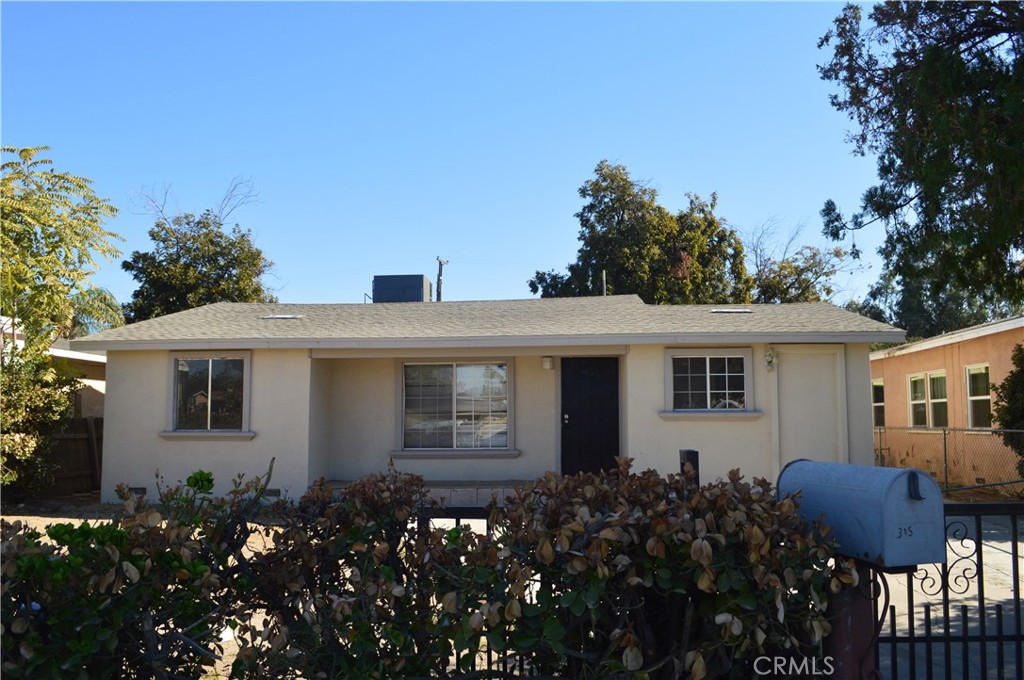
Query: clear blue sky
{"points": [[379, 136]]}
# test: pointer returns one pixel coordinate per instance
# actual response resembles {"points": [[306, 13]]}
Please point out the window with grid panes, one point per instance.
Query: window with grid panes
{"points": [[708, 382]]}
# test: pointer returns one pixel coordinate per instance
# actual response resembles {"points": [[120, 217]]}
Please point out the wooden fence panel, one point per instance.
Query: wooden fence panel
{"points": [[79, 453]]}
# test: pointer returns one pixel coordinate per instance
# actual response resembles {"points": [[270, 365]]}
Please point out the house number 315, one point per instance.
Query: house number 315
{"points": [[904, 532]]}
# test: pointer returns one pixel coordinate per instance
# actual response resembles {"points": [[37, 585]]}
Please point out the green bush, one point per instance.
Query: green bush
{"points": [[144, 596], [610, 575], [36, 396]]}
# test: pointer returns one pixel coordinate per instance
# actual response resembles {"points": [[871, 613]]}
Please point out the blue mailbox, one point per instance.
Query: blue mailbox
{"points": [[891, 518]]}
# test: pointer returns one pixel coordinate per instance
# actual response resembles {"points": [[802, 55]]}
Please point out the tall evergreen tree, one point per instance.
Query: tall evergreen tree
{"points": [[936, 90]]}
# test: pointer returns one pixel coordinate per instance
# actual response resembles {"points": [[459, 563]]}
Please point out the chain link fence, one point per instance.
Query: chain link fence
{"points": [[959, 459]]}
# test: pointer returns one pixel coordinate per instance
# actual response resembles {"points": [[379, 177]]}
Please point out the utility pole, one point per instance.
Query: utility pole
{"points": [[440, 270]]}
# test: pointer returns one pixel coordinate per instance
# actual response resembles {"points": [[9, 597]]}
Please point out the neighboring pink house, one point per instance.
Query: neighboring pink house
{"points": [[935, 395]]}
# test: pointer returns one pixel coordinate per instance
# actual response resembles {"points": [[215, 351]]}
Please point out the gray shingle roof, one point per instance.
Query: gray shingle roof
{"points": [[621, 319]]}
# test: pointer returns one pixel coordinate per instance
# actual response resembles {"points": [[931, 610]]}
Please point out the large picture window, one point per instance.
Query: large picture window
{"points": [[455, 406], [209, 393]]}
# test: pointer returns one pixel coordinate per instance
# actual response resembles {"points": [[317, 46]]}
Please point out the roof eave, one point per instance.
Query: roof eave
{"points": [[953, 337], [721, 338]]}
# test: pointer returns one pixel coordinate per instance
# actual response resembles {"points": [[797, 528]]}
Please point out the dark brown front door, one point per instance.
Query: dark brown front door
{"points": [[590, 414]]}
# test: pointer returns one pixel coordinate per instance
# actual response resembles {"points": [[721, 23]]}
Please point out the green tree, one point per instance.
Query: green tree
{"points": [[1008, 407], [634, 245], [804, 276], [925, 307], [51, 238], [936, 90], [195, 262], [36, 396], [784, 275]]}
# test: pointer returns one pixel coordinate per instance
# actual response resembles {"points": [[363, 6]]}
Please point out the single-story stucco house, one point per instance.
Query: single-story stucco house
{"points": [[475, 396]]}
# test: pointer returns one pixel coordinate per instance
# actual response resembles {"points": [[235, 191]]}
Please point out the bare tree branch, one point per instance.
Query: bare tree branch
{"points": [[240, 192], [154, 201], [151, 201]]}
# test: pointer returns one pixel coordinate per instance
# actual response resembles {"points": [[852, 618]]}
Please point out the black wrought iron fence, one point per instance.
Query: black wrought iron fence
{"points": [[961, 619], [958, 458]]}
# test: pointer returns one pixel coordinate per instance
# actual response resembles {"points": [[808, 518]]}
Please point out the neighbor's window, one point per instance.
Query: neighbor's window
{"points": [[209, 393], [937, 400], [710, 381], [928, 402], [918, 402], [979, 400], [455, 406], [878, 402]]}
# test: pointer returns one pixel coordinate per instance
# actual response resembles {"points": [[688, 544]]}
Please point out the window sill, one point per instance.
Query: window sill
{"points": [[711, 414], [435, 454], [203, 435]]}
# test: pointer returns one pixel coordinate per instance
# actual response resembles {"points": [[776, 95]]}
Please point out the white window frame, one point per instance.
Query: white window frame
{"points": [[932, 400], [928, 399], [877, 382], [508, 450], [970, 399], [172, 431], [746, 353]]}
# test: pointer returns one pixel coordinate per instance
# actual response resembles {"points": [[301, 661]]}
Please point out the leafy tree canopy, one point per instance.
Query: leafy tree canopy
{"points": [[195, 262], [937, 92], [640, 247], [804, 276], [51, 237], [784, 275], [925, 307], [36, 396]]}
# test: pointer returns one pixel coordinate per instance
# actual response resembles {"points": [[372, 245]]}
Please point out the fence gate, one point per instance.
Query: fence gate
{"points": [[961, 619], [78, 452]]}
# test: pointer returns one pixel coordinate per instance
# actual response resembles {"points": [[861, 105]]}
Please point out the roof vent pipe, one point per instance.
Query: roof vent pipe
{"points": [[440, 268]]}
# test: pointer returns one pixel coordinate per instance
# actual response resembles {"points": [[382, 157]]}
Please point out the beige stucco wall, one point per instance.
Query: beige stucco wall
{"points": [[811, 405], [137, 411], [858, 382], [724, 441], [364, 412], [320, 417], [89, 400], [337, 417]]}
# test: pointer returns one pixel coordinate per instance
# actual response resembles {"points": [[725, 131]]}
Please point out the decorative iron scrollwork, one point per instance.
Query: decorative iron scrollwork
{"points": [[960, 572]]}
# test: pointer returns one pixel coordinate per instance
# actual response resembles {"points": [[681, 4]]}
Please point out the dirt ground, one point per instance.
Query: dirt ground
{"points": [[40, 513]]}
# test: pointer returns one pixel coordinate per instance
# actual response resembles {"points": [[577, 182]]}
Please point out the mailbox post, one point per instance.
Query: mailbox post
{"points": [[888, 519]]}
